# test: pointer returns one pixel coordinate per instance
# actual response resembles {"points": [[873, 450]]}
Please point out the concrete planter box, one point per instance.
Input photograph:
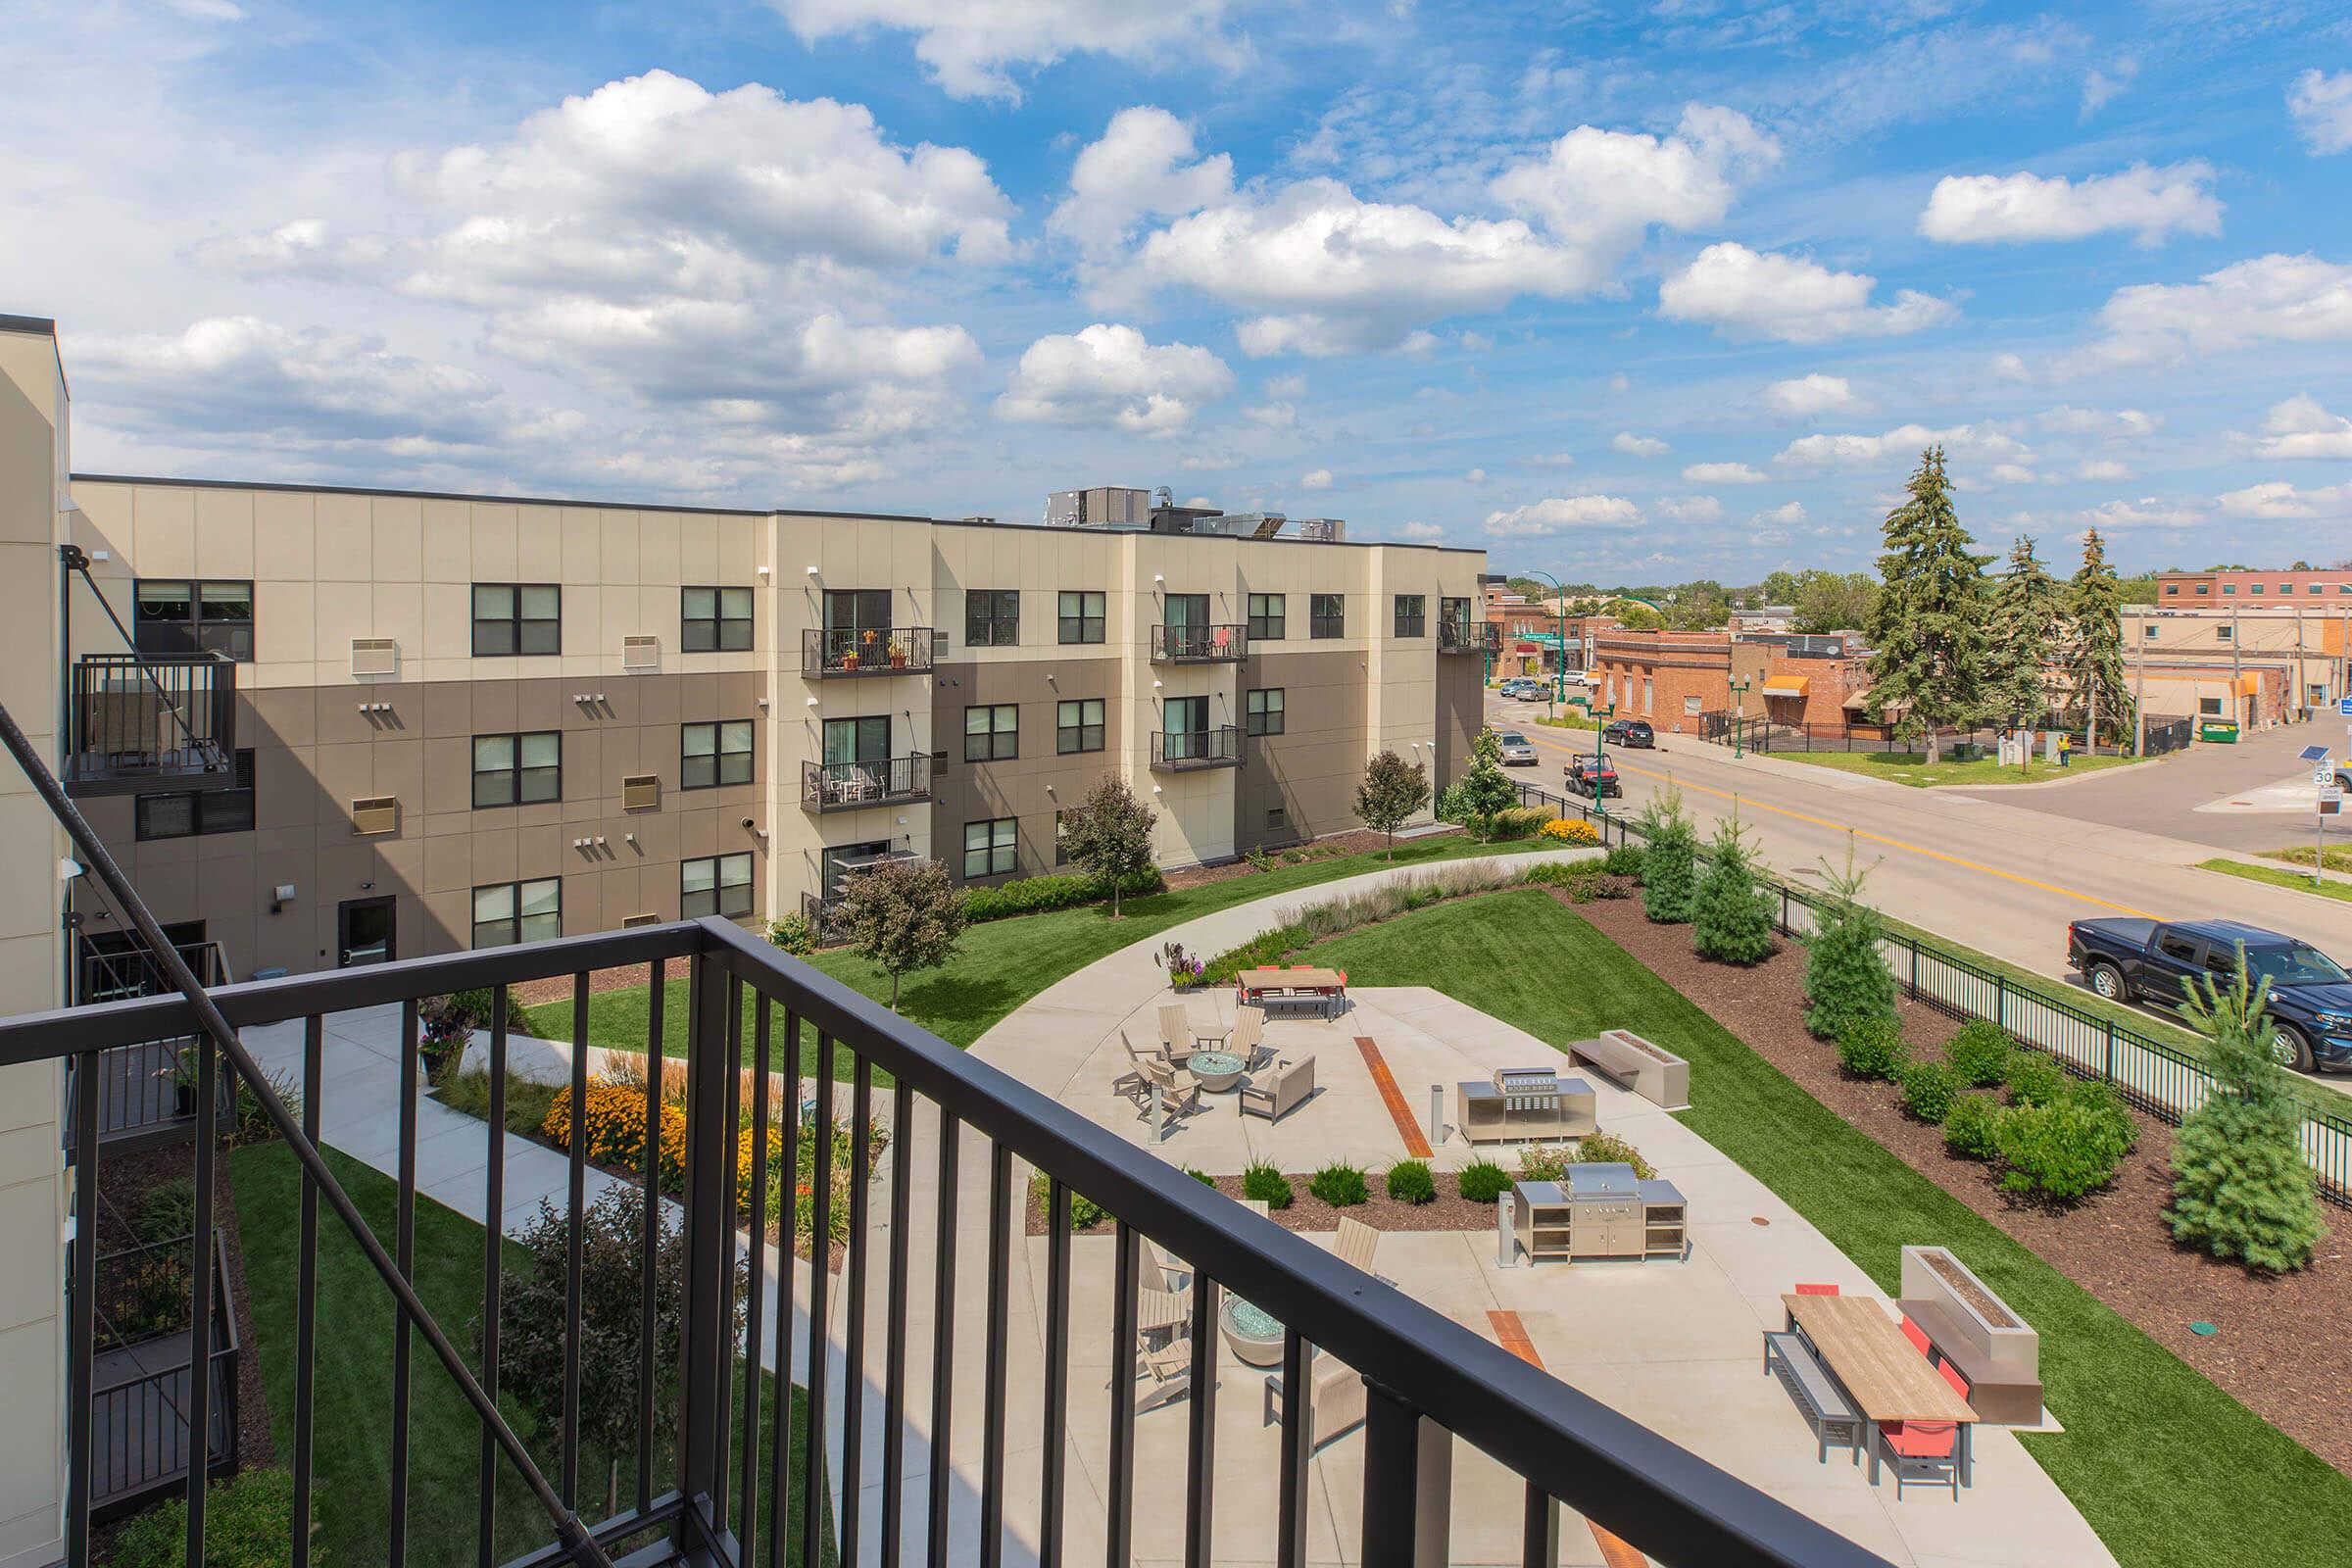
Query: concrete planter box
{"points": [[1651, 1071], [1978, 1332]]}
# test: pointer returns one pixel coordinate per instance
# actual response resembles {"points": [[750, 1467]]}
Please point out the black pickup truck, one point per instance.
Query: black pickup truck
{"points": [[2153, 961]]}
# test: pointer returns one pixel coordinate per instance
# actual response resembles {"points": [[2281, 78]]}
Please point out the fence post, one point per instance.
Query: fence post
{"points": [[2000, 1001], [1913, 944], [1784, 908], [2110, 1067], [708, 1238]]}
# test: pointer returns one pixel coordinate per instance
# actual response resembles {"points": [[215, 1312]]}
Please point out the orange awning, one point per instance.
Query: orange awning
{"points": [[2249, 686], [1789, 686]]}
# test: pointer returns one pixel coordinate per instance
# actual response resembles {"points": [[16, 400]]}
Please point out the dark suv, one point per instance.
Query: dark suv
{"points": [[1595, 776], [1635, 732]]}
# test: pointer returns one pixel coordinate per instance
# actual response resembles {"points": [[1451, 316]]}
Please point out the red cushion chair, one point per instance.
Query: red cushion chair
{"points": [[1952, 1375], [1918, 1338], [1921, 1440], [1817, 1289]]}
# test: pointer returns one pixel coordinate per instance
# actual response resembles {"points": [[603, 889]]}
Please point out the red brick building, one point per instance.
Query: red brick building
{"points": [[1673, 677]]}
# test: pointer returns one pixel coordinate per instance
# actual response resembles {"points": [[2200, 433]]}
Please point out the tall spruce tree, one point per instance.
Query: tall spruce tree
{"points": [[1929, 627], [2096, 698], [2022, 638]]}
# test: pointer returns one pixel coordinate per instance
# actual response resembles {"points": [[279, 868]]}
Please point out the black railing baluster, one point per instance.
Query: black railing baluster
{"points": [[648, 1275], [494, 1237], [1058, 1369], [200, 1293], [701, 1440], [853, 1383], [723, 1396], [813, 1503], [1539, 1535], [1119, 1506], [788, 1209], [305, 1289], [1200, 1432], [747, 1533], [992, 1396], [403, 1258], [576, 1243], [894, 1350], [1297, 1445], [80, 1308], [943, 1345], [1391, 1479]]}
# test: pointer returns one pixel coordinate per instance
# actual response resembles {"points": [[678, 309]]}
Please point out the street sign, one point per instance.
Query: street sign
{"points": [[2343, 706], [2323, 776], [2313, 754]]}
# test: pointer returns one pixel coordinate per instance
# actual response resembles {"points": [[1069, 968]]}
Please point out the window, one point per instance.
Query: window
{"points": [[714, 620], [857, 742], [2179, 949], [991, 734], [507, 912], [992, 618], [2209, 707], [193, 814], [1078, 726], [1262, 711], [518, 769], [2204, 588], [2221, 634], [1455, 612], [1061, 843], [712, 754], [989, 848], [2258, 587], [2148, 631], [1268, 615], [2228, 588], [2171, 587], [517, 618], [1647, 687], [1278, 818], [1081, 617], [1327, 615], [2313, 588], [715, 884], [194, 617], [1690, 703], [1412, 610]]}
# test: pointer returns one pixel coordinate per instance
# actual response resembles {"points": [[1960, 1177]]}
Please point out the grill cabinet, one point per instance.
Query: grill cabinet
{"points": [[1524, 1104]]}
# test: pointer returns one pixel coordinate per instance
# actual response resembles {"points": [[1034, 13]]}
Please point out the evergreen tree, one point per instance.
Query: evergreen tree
{"points": [[2022, 639], [1669, 858], [1846, 979], [2240, 1185], [1929, 624], [1393, 790], [1731, 920], [2094, 651], [1487, 789]]}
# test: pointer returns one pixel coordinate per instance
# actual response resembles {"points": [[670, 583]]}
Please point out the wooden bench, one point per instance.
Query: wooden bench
{"points": [[1653, 1072], [1825, 1407], [1994, 1393]]}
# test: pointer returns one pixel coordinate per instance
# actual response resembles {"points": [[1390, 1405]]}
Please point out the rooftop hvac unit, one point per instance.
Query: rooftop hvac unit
{"points": [[641, 653], [375, 814], [375, 655]]}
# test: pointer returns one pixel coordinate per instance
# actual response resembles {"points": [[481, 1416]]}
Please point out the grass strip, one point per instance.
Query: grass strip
{"points": [[1913, 769], [2279, 878]]}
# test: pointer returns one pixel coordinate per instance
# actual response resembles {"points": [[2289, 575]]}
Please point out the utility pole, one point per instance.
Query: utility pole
{"points": [[2140, 706], [2237, 673]]}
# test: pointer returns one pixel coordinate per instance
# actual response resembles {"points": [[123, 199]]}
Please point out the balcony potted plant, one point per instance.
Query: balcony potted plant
{"points": [[898, 654]]}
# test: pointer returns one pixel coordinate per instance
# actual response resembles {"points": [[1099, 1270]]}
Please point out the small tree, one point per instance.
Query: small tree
{"points": [[1669, 858], [1487, 789], [1730, 920], [2240, 1185], [1847, 980], [1109, 833], [903, 917], [1393, 790]]}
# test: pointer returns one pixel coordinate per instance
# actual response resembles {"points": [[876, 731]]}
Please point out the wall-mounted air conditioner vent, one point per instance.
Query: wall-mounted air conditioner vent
{"points": [[641, 653], [375, 814], [375, 655], [640, 792], [640, 919]]}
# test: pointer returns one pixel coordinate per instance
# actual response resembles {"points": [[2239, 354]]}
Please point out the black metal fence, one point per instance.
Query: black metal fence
{"points": [[1180, 749], [146, 1092], [1193, 645], [1759, 732], [142, 1406], [2160, 1079], [866, 649], [138, 716], [2164, 732], [847, 786]]}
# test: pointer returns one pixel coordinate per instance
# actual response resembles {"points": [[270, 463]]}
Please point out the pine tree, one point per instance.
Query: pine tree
{"points": [[2021, 637], [1846, 979], [2240, 1185], [1730, 920], [2094, 646], [1487, 789], [1929, 627], [1669, 858]]}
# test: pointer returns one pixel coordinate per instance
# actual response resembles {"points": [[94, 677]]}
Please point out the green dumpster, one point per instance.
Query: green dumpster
{"points": [[2220, 731]]}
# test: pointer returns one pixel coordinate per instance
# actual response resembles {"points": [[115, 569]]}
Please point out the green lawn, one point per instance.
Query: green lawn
{"points": [[2169, 1470], [2281, 877], [1911, 767], [1001, 963], [353, 1414]]}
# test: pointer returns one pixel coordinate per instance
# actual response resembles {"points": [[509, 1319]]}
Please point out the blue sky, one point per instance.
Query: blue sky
{"points": [[1622, 292]]}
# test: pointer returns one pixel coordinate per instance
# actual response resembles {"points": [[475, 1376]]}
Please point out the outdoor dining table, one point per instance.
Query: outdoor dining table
{"points": [[1258, 985], [1887, 1379]]}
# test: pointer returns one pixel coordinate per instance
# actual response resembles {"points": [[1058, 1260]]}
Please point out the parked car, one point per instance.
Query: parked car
{"points": [[1595, 776], [1517, 750], [1513, 687], [1633, 732], [2153, 961]]}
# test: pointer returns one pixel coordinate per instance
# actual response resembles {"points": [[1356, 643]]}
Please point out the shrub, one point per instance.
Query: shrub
{"points": [[1561, 873], [614, 1120], [1035, 895], [1972, 1128], [1267, 947], [1201, 1176], [2062, 1147], [1085, 1212], [167, 1211], [1846, 978], [1267, 1184], [1624, 861], [1486, 790], [1409, 1182], [1570, 830], [248, 1523], [794, 934], [2033, 1079], [1607, 1148], [1980, 1053], [1929, 1089], [253, 1125], [1519, 821], [1544, 1162], [1340, 1184], [481, 1005], [1483, 1181], [1731, 917], [1669, 858], [1873, 1047]]}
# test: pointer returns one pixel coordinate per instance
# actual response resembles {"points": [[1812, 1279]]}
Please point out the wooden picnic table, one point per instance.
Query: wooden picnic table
{"points": [[1277, 978], [1886, 1377]]}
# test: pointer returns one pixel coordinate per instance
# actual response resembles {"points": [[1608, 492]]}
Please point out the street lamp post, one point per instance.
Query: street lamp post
{"points": [[1600, 721], [1738, 715], [1559, 669]]}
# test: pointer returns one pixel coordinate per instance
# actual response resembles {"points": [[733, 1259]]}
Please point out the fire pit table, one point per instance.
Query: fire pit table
{"points": [[1217, 1070], [1252, 1332]]}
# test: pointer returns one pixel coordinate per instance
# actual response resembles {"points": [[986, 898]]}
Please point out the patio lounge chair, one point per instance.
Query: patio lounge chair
{"points": [[1249, 1040], [1175, 1031], [1334, 1399], [1258, 1206], [1292, 1084], [1170, 1369], [1921, 1451], [1159, 1314], [1358, 1243], [1180, 1089], [1132, 1083]]}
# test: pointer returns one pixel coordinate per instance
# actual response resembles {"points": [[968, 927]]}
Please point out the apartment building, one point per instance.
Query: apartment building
{"points": [[2329, 586], [2257, 665]]}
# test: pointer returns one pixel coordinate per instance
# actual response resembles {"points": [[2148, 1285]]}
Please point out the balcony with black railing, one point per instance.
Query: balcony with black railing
{"points": [[142, 1369], [146, 1091], [1469, 637], [829, 650], [151, 722], [1199, 645], [1177, 751], [851, 786]]}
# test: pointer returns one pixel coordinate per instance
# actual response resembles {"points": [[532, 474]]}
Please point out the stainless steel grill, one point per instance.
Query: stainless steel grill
{"points": [[1521, 1105], [1527, 1088]]}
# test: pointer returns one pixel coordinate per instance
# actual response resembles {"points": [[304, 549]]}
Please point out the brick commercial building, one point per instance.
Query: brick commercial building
{"points": [[1672, 678], [2330, 588]]}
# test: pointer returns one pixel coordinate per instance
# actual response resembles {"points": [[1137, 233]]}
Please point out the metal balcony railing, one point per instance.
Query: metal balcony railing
{"points": [[1199, 645], [143, 1369], [847, 786], [146, 1092], [1176, 750], [1469, 637], [865, 651], [143, 720]]}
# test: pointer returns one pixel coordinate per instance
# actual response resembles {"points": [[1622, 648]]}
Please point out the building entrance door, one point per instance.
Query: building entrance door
{"points": [[364, 932]]}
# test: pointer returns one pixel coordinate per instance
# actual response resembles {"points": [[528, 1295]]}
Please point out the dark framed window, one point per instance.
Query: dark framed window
{"points": [[712, 754], [1061, 843], [714, 620], [1082, 615], [715, 884], [992, 618], [206, 615], [1455, 612], [1078, 725], [1268, 615], [519, 770], [2221, 634], [2172, 588], [1262, 711], [1412, 614], [990, 848], [2258, 587], [517, 618], [991, 734], [194, 814], [507, 912], [1327, 615], [1278, 816]]}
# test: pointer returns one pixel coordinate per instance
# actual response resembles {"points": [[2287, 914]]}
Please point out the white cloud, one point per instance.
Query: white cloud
{"points": [[1689, 509], [1744, 293], [2103, 469], [1476, 477], [1902, 443], [1211, 462], [1315, 479], [1109, 377], [2148, 512], [1621, 383], [2011, 473], [305, 247], [2322, 109], [1788, 514], [969, 48], [1806, 395], [1552, 460], [1561, 515], [2149, 203], [205, 9], [2120, 424], [1272, 416], [2267, 299], [1602, 190], [1144, 166], [2102, 87], [1421, 530], [1639, 446], [1285, 387], [1721, 473], [2300, 428], [2283, 502]]}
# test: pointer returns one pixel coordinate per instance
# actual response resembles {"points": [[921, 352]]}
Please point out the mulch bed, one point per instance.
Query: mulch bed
{"points": [[2281, 1350], [1448, 1211]]}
